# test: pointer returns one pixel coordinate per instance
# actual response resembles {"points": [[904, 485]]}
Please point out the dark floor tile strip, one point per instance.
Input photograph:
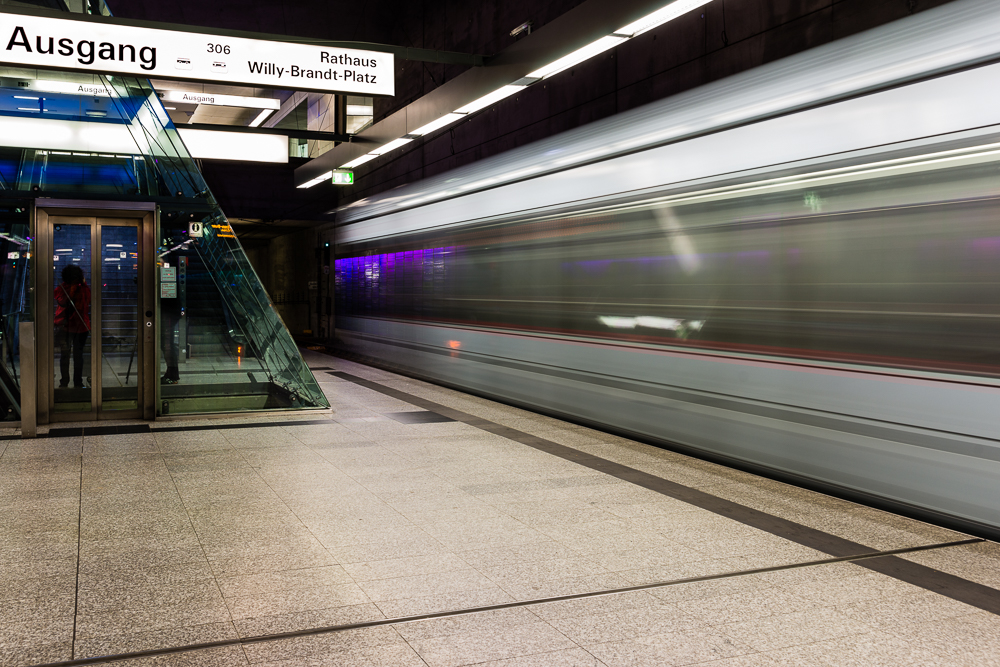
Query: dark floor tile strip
{"points": [[120, 429], [329, 629], [963, 590], [79, 553], [226, 427], [114, 429], [63, 432], [124, 429]]}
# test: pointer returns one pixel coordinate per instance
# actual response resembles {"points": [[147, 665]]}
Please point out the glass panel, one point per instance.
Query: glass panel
{"points": [[232, 318], [15, 252], [234, 352], [71, 346], [119, 318], [360, 111]]}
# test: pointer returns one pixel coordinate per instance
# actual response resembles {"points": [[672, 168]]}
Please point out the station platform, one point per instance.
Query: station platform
{"points": [[416, 525]]}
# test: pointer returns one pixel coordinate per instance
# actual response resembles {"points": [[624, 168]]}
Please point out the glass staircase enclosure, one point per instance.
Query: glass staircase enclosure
{"points": [[235, 353]]}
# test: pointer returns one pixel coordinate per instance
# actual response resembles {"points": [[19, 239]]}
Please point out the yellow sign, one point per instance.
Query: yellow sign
{"points": [[224, 231]]}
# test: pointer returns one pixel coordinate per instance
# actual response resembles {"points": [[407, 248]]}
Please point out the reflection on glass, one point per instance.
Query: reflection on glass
{"points": [[71, 320], [15, 254], [233, 352], [119, 318], [359, 112]]}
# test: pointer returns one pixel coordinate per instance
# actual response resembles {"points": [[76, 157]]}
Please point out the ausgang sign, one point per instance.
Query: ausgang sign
{"points": [[90, 46]]}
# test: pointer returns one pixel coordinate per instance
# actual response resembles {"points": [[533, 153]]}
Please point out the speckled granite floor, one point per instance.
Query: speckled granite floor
{"points": [[381, 513]]}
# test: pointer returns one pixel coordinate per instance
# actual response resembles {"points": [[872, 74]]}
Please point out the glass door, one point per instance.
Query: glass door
{"points": [[72, 273], [119, 317], [96, 351]]}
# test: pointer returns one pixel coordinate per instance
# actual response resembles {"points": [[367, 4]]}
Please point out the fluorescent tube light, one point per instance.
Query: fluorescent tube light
{"points": [[359, 110], [316, 181], [246, 146], [447, 119], [357, 162], [578, 56], [395, 143], [489, 99], [24, 97], [261, 117], [661, 16]]}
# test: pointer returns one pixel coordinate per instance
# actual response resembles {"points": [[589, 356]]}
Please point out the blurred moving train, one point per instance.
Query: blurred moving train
{"points": [[796, 269]]}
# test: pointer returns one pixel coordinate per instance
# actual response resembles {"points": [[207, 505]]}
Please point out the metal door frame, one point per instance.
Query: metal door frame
{"points": [[98, 214]]}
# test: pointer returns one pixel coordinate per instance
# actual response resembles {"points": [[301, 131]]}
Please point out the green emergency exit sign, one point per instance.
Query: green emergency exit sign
{"points": [[343, 177]]}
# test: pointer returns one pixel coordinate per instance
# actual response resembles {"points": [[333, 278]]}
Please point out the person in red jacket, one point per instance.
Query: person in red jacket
{"points": [[72, 320]]}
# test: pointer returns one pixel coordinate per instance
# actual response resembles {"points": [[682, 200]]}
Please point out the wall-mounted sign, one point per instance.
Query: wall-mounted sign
{"points": [[196, 229], [168, 282], [94, 46], [343, 177], [185, 97]]}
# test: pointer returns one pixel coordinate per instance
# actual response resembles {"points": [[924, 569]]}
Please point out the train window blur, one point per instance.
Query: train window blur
{"points": [[894, 265]]}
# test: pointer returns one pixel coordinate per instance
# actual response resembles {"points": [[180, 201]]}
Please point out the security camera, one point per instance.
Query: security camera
{"points": [[523, 29]]}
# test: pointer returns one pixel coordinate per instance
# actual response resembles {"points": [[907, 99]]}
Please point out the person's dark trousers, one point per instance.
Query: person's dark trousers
{"points": [[169, 347], [71, 343]]}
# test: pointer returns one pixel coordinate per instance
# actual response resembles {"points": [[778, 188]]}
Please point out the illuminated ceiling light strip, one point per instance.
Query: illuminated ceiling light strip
{"points": [[316, 181], [661, 16], [359, 110], [486, 100], [395, 143], [367, 157], [447, 119], [578, 56], [261, 117]]}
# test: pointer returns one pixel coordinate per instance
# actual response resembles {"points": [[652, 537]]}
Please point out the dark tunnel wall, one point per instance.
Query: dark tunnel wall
{"points": [[723, 38]]}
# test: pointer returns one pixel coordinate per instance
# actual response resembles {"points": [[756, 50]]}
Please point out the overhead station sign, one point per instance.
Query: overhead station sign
{"points": [[110, 48], [187, 97]]}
